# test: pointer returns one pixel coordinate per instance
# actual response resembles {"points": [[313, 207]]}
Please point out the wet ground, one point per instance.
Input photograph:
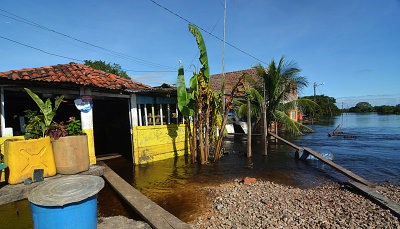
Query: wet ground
{"points": [[177, 185]]}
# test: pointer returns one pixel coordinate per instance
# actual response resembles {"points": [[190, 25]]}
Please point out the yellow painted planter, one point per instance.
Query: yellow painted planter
{"points": [[23, 156]]}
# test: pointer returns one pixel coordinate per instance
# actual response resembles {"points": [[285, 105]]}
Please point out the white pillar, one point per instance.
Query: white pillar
{"points": [[145, 115], [161, 114], [134, 113], [134, 117], [3, 119], [87, 126], [177, 117], [140, 114], [153, 114], [168, 114]]}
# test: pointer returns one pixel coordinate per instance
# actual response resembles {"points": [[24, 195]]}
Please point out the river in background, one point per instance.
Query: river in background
{"points": [[373, 152]]}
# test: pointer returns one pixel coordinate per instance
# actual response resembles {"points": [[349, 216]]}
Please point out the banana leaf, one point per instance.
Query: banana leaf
{"points": [[203, 52], [184, 104]]}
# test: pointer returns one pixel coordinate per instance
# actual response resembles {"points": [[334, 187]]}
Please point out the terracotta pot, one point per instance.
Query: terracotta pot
{"points": [[71, 154]]}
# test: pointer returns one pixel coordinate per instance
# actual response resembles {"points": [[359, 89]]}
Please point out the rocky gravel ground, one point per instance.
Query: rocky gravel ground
{"points": [[267, 205], [120, 222], [391, 192]]}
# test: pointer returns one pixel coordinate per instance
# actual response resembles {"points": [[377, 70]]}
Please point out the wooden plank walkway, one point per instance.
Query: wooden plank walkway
{"points": [[377, 197], [152, 213], [328, 162], [340, 168], [286, 142], [362, 185], [14, 192]]}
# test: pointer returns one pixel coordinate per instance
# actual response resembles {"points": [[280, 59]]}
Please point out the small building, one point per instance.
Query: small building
{"points": [[127, 117], [231, 78]]}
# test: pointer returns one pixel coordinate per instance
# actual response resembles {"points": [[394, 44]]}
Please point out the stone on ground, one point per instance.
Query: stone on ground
{"points": [[120, 222]]}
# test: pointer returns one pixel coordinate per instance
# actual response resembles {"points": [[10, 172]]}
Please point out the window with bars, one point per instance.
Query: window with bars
{"points": [[158, 114]]}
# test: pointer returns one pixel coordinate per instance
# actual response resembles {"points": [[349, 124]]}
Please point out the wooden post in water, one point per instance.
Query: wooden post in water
{"points": [[248, 129], [265, 125]]}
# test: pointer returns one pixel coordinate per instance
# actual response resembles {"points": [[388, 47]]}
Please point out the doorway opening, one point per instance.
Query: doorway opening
{"points": [[111, 126]]}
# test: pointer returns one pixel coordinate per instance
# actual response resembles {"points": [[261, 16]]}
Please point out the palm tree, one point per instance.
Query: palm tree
{"points": [[269, 95]]}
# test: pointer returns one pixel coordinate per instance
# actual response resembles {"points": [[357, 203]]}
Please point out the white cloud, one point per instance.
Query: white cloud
{"points": [[152, 79], [374, 100]]}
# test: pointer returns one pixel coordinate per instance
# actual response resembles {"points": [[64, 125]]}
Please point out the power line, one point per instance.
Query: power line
{"points": [[70, 58], [41, 50], [147, 71], [70, 42], [195, 55], [118, 54], [216, 37]]}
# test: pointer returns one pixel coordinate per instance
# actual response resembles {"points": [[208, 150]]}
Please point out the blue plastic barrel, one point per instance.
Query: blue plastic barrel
{"points": [[60, 204]]}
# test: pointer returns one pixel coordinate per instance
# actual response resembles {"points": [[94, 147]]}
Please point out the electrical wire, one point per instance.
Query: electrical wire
{"points": [[211, 34], [118, 54], [198, 52], [41, 50], [146, 71]]}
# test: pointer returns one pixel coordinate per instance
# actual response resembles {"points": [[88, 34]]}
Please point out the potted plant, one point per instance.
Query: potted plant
{"points": [[70, 147], [23, 157]]}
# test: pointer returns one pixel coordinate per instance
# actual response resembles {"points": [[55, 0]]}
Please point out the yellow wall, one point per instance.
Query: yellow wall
{"points": [[2, 139], [159, 142], [92, 155]]}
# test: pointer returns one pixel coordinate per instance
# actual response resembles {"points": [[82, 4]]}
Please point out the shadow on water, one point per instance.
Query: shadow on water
{"points": [[173, 133], [16, 215], [179, 187]]}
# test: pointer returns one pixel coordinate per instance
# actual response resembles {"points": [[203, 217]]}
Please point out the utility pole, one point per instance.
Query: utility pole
{"points": [[315, 92], [223, 62], [315, 98]]}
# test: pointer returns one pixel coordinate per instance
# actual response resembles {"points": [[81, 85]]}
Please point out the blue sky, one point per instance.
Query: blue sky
{"points": [[352, 46]]}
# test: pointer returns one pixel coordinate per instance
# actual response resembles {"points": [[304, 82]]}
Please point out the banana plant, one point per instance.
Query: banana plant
{"points": [[44, 121], [204, 105]]}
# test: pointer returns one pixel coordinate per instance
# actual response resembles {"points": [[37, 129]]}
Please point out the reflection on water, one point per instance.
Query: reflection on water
{"points": [[16, 215], [177, 186], [374, 153]]}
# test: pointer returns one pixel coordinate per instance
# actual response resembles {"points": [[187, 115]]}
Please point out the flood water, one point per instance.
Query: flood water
{"points": [[175, 184], [372, 151]]}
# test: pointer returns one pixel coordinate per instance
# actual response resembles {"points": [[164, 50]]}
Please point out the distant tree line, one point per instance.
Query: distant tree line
{"points": [[326, 107], [364, 107], [115, 69]]}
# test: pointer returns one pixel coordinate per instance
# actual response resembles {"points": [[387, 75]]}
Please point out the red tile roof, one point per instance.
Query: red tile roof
{"points": [[73, 73], [231, 78]]}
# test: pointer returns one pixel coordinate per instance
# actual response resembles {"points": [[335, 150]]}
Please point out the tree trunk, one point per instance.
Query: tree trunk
{"points": [[192, 138], [218, 146], [195, 134], [265, 129], [206, 131], [248, 129], [265, 135], [201, 140]]}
